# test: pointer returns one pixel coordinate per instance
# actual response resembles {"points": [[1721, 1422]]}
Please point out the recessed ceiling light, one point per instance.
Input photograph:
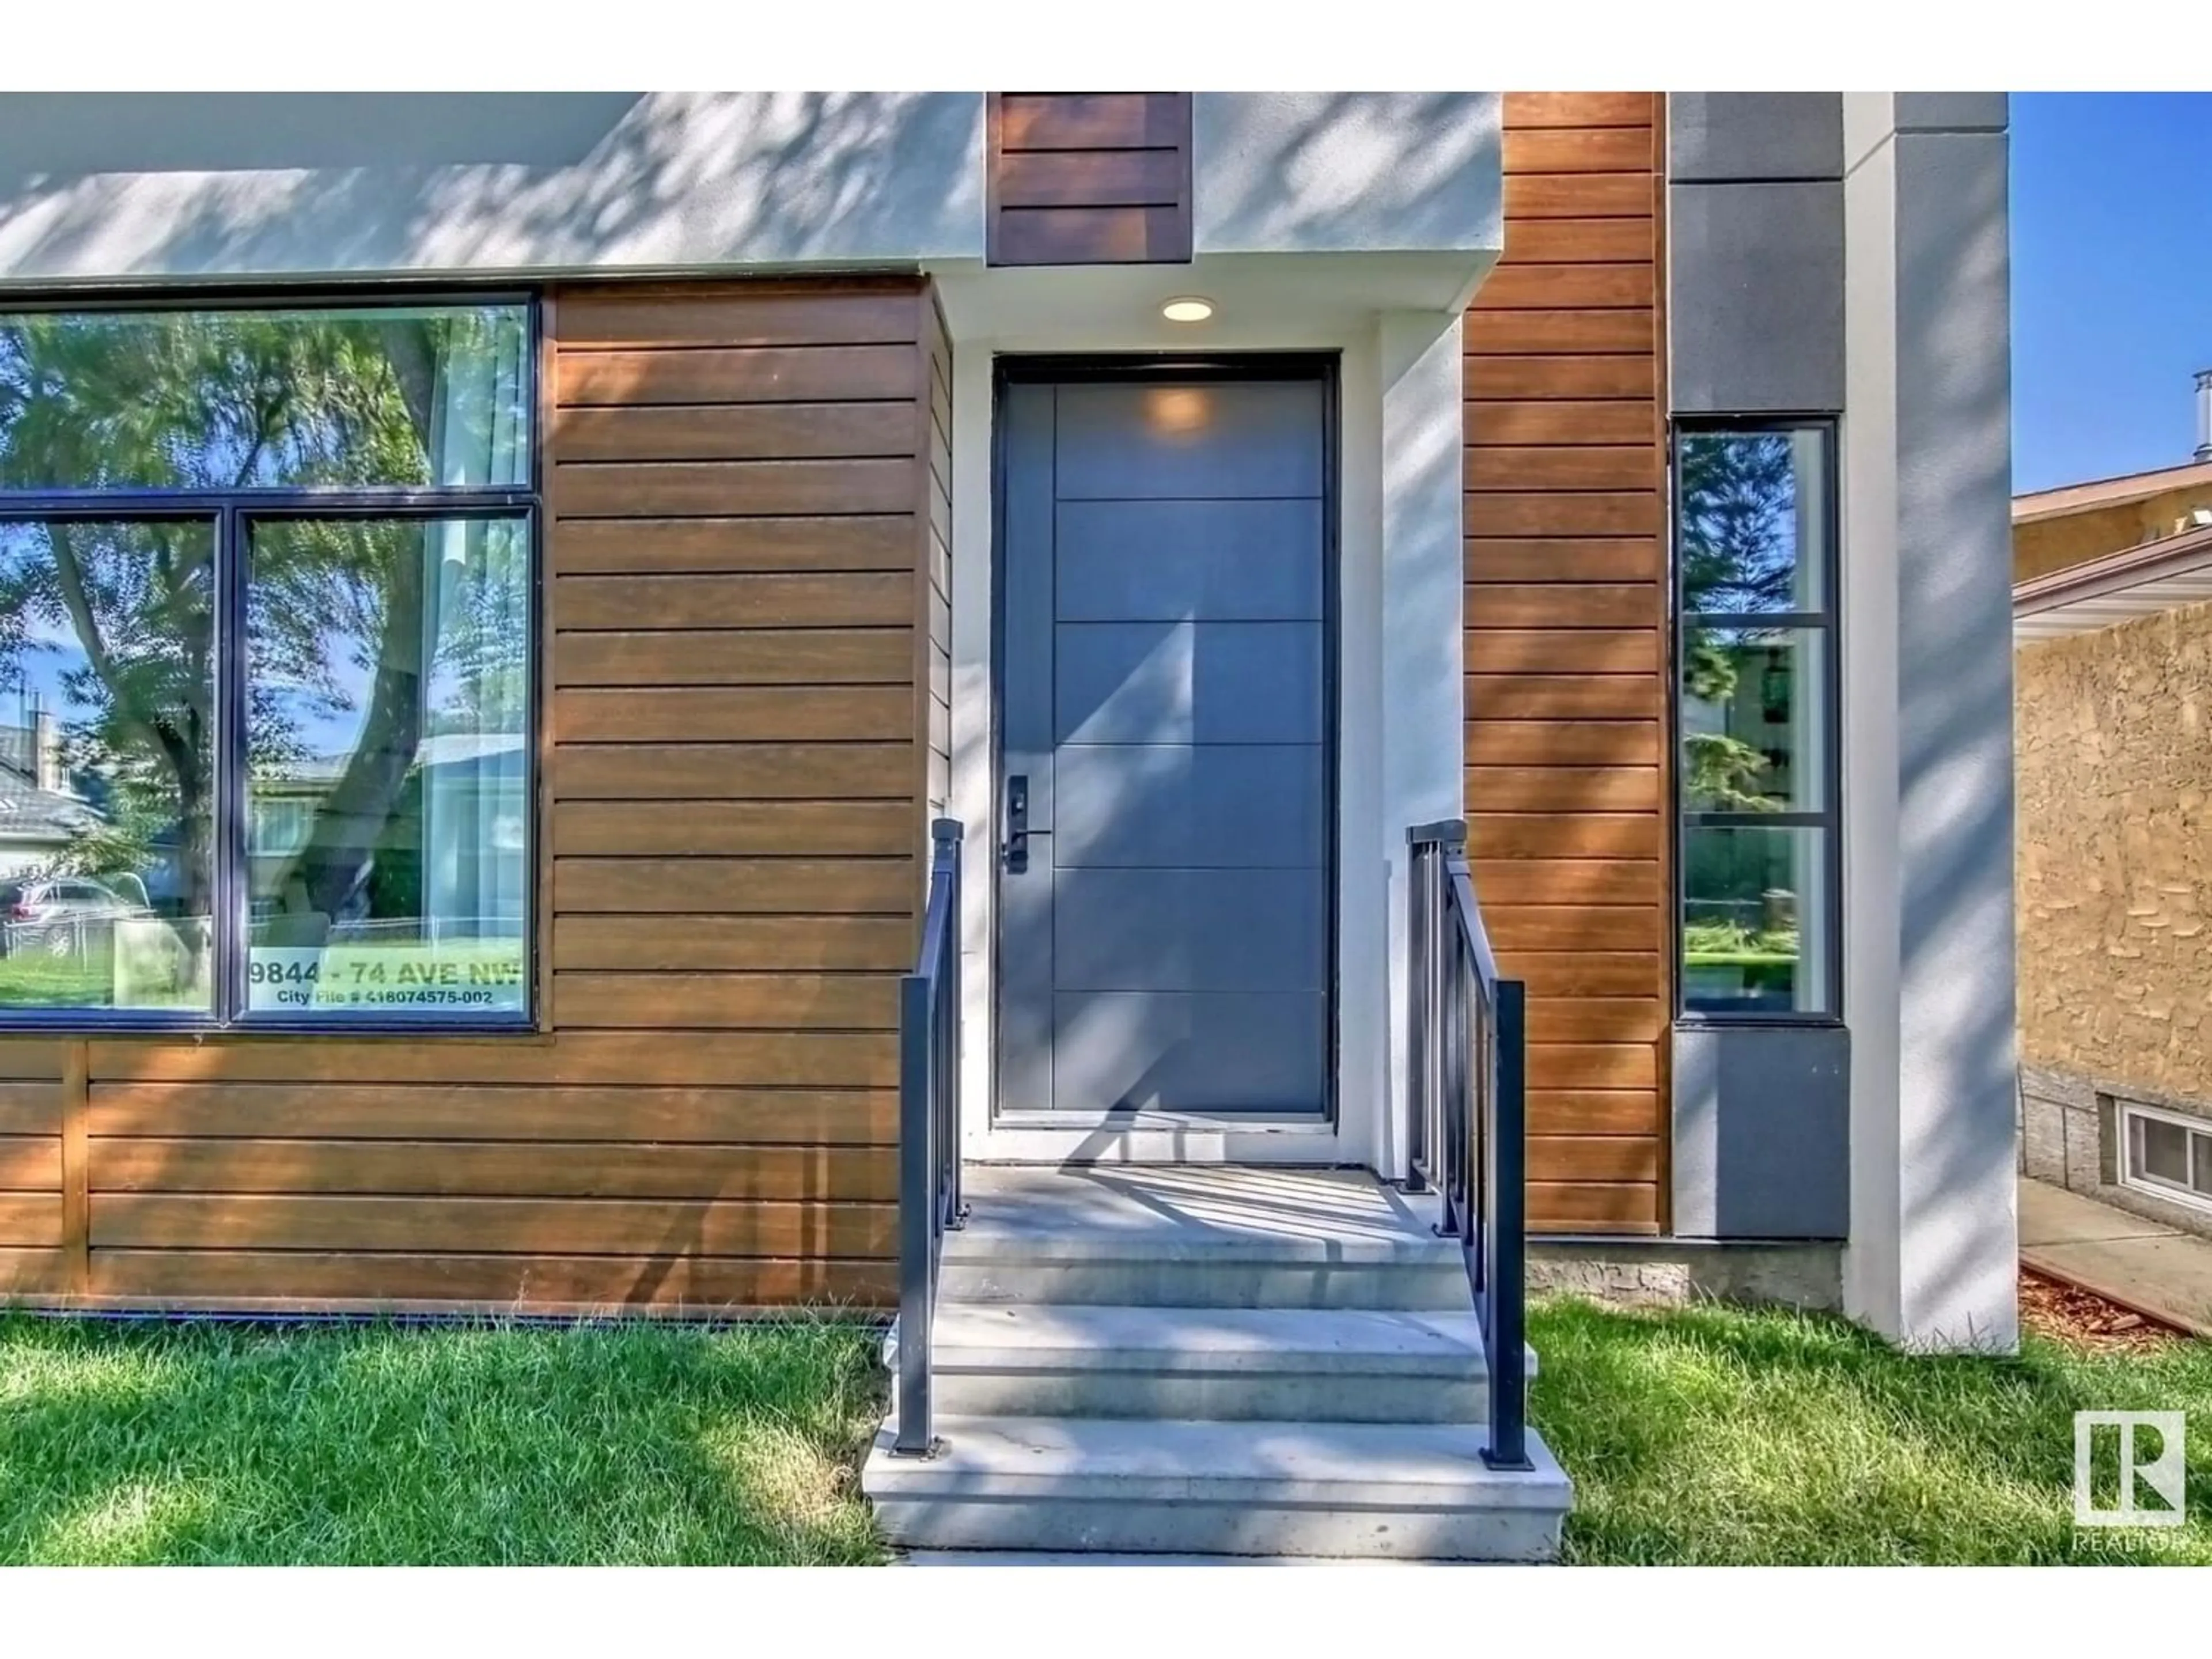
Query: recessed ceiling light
{"points": [[1189, 309]]}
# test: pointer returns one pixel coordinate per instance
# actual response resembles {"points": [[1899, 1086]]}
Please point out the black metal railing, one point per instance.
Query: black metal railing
{"points": [[1467, 1128], [929, 1132]]}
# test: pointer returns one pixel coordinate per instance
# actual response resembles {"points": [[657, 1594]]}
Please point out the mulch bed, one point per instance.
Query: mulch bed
{"points": [[2082, 1319]]}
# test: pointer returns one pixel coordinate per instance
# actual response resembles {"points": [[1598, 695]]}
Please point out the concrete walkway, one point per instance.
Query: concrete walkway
{"points": [[2146, 1265]]}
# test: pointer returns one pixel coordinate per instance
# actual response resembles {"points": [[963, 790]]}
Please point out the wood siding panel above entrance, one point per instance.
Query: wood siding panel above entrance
{"points": [[1098, 178], [1566, 614], [741, 499]]}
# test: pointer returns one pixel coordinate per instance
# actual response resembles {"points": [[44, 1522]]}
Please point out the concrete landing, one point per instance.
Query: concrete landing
{"points": [[1198, 1236], [1342, 1215], [2142, 1263]]}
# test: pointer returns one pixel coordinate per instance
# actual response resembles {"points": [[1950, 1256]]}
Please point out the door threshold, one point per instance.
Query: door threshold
{"points": [[1304, 1138], [1240, 1123]]}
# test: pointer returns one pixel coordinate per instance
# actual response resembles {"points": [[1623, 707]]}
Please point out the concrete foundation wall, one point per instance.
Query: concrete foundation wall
{"points": [[1672, 1273]]}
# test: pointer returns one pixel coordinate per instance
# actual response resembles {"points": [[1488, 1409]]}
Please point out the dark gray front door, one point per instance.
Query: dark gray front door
{"points": [[1164, 933]]}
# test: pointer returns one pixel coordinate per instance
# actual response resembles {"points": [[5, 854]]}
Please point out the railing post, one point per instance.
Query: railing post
{"points": [[1420, 929], [1428, 951], [917, 1217], [1505, 1250]]}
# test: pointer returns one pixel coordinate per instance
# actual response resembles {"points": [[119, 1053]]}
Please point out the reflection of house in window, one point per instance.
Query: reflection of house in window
{"points": [[1758, 712], [280, 817], [41, 815], [1764, 722], [448, 860], [280, 824], [474, 831]]}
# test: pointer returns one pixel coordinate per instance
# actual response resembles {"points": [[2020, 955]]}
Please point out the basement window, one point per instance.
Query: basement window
{"points": [[267, 669], [2167, 1155]]}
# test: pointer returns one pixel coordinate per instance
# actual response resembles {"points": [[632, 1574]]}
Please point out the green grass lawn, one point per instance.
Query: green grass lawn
{"points": [[1705, 1436], [638, 1443], [1719, 1435]]}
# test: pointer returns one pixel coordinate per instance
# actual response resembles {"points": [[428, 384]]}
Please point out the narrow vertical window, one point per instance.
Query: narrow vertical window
{"points": [[1755, 720]]}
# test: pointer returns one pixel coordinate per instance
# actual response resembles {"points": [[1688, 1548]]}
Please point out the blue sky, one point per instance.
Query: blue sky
{"points": [[2112, 225]]}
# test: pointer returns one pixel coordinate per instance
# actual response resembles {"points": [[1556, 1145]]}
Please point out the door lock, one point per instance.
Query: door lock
{"points": [[1016, 851]]}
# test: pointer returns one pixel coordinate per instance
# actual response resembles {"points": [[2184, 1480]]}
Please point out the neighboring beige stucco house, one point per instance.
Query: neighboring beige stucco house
{"points": [[2112, 625]]}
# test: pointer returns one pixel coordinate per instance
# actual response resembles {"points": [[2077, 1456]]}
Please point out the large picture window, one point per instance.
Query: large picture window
{"points": [[266, 674], [1756, 768]]}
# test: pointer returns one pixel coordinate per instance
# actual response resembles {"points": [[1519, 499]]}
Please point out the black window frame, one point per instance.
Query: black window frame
{"points": [[1827, 621], [232, 513]]}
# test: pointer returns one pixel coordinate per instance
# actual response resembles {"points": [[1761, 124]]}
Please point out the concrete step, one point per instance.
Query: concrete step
{"points": [[1198, 1237], [1342, 1365], [1409, 1491]]}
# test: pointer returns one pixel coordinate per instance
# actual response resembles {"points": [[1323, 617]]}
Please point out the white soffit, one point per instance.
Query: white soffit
{"points": [[1260, 300]]}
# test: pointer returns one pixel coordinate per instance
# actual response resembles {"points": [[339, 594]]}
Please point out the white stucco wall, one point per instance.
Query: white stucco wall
{"points": [[182, 186], [167, 187], [1926, 638], [1421, 688], [1334, 171]]}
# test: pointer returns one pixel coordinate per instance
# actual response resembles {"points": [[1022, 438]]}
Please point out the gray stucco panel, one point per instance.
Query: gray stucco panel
{"points": [[1950, 111], [1755, 294], [1717, 137], [1762, 1132]]}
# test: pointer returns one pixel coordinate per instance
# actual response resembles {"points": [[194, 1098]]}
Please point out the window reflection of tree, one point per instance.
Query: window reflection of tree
{"points": [[1738, 506], [176, 401]]}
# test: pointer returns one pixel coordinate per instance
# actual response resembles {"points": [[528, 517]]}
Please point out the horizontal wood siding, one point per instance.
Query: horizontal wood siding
{"points": [[747, 514], [38, 1216], [1089, 178], [1566, 608]]}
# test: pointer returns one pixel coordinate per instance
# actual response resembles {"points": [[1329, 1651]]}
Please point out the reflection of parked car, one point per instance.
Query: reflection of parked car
{"points": [[52, 915]]}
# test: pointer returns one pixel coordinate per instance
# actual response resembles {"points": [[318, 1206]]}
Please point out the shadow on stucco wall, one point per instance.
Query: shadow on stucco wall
{"points": [[1955, 726], [275, 184]]}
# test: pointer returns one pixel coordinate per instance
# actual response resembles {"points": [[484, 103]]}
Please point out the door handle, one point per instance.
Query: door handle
{"points": [[1016, 851]]}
